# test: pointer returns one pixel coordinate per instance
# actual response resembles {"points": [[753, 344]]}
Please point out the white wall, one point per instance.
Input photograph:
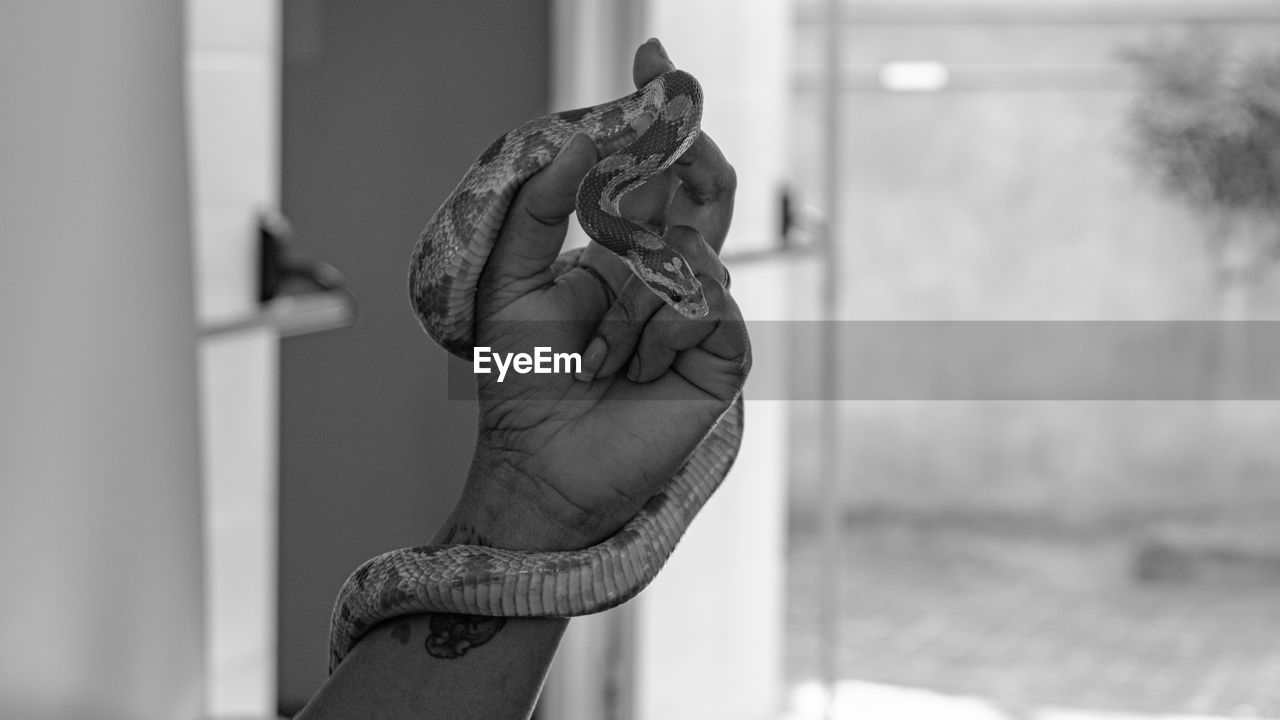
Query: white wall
{"points": [[711, 625], [233, 91], [99, 514]]}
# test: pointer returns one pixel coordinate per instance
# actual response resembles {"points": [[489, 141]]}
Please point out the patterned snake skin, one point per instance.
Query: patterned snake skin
{"points": [[644, 132]]}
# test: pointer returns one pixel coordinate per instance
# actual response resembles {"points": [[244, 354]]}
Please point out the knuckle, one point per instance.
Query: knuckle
{"points": [[718, 187], [723, 184], [544, 219]]}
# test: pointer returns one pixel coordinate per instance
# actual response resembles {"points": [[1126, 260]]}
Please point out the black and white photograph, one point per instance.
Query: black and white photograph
{"points": [[640, 359]]}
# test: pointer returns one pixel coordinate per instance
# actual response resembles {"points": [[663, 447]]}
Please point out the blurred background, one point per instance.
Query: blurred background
{"points": [[212, 414]]}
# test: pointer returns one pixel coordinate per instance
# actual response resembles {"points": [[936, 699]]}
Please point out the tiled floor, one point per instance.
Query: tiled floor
{"points": [[1026, 621]]}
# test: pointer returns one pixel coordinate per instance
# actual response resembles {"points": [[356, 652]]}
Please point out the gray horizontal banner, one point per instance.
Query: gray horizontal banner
{"points": [[870, 360]]}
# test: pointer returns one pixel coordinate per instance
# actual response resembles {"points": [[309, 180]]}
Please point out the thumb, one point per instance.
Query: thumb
{"points": [[537, 220]]}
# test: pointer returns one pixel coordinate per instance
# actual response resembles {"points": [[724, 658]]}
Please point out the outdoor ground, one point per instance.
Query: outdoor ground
{"points": [[1048, 600], [1032, 621]]}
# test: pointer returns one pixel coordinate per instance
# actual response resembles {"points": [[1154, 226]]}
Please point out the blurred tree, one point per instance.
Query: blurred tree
{"points": [[1206, 127]]}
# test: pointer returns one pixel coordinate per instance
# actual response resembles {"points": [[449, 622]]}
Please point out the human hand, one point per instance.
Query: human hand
{"points": [[562, 462]]}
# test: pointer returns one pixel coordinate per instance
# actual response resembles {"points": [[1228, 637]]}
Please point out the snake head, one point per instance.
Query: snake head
{"points": [[677, 287], [669, 276], [688, 301]]}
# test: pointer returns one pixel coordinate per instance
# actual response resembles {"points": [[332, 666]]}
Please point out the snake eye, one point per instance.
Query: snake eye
{"points": [[676, 297]]}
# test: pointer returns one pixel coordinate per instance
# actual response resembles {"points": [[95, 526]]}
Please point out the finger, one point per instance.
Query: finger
{"points": [[651, 61], [649, 202], [667, 332], [665, 336], [705, 197], [720, 363], [636, 307], [537, 220]]}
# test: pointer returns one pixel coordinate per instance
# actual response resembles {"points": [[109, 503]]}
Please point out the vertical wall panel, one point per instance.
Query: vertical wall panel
{"points": [[385, 106], [720, 597], [233, 67], [99, 494]]}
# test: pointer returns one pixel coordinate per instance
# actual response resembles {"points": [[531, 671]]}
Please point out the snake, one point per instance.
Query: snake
{"points": [[637, 136]]}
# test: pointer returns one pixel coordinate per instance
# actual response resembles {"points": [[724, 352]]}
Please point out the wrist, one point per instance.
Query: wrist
{"points": [[504, 507]]}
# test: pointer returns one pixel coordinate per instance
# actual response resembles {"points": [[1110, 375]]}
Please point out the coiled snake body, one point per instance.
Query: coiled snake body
{"points": [[644, 132]]}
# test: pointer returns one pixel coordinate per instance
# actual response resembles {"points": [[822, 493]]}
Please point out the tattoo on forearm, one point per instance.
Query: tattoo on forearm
{"points": [[451, 636], [401, 631]]}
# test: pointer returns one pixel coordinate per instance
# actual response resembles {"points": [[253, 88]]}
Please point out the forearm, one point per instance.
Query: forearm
{"points": [[419, 667], [453, 666]]}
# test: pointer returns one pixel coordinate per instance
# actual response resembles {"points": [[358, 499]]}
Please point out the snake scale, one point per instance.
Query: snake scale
{"points": [[638, 136]]}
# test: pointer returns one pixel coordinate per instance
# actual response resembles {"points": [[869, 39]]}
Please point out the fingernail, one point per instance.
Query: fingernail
{"points": [[577, 138], [565, 148], [592, 357], [633, 370], [661, 50]]}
